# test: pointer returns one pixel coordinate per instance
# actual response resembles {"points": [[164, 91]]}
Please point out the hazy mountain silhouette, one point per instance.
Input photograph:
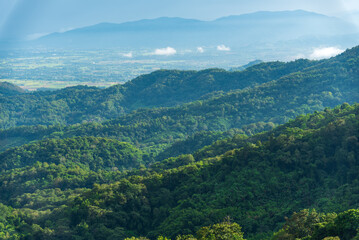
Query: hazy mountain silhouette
{"points": [[237, 31]]}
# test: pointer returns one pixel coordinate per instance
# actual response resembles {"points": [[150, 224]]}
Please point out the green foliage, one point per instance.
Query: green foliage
{"points": [[186, 237], [256, 181], [89, 152], [311, 225], [162, 238], [345, 226], [254, 109], [303, 225], [193, 143], [162, 88], [257, 185], [81, 182], [221, 231], [134, 238], [8, 89]]}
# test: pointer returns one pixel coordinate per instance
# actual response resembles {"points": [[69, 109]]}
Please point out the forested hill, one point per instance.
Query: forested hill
{"points": [[326, 84], [88, 152], [170, 88], [7, 89], [158, 89], [311, 162]]}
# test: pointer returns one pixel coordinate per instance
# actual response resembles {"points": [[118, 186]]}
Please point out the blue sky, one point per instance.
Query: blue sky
{"points": [[35, 17]]}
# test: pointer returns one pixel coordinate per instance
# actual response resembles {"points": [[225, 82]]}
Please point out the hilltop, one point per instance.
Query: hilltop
{"points": [[163, 88], [8, 89], [304, 88]]}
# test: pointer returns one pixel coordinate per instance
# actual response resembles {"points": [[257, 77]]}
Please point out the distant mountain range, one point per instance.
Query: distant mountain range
{"points": [[235, 31]]}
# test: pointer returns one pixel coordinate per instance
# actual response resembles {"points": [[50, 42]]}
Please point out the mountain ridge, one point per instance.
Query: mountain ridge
{"points": [[8, 89], [162, 88], [252, 15], [235, 30], [305, 89]]}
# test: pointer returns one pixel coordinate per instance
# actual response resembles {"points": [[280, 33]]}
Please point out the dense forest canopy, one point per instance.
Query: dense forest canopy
{"points": [[309, 86], [270, 152], [256, 184], [161, 88]]}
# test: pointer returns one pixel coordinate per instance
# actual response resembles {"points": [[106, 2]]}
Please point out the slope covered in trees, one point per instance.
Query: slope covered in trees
{"points": [[88, 152], [160, 88], [172, 171], [309, 224], [8, 89], [252, 110], [311, 162]]}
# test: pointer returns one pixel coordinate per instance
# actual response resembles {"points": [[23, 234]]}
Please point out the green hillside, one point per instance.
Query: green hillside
{"points": [[161, 88], [88, 152], [209, 153], [8, 89], [311, 162], [251, 110]]}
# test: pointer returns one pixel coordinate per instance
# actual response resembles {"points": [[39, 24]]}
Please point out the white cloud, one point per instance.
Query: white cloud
{"points": [[128, 55], [327, 52], [223, 48], [200, 50], [165, 51]]}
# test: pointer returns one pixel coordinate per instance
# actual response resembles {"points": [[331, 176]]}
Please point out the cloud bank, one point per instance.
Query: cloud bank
{"points": [[128, 55], [327, 52], [165, 51], [223, 48]]}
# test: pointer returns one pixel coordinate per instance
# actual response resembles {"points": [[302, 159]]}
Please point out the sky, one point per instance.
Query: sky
{"points": [[33, 18]]}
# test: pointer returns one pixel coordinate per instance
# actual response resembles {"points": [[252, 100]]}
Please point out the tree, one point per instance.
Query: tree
{"points": [[221, 231]]}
